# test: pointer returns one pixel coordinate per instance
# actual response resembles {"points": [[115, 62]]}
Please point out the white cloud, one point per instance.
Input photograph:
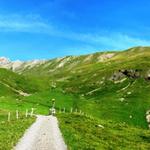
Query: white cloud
{"points": [[111, 40], [23, 23], [35, 24]]}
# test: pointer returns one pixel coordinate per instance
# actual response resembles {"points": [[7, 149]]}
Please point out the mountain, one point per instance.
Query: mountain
{"points": [[79, 74], [110, 85], [18, 65]]}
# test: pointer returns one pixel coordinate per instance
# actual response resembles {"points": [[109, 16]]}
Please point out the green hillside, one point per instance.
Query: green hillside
{"points": [[109, 86], [86, 133]]}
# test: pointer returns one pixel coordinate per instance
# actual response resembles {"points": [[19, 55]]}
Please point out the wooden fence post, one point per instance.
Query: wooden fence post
{"points": [[17, 115], [64, 109], [71, 110], [32, 109], [26, 113], [9, 117]]}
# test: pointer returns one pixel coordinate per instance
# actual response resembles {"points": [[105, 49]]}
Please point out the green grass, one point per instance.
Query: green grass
{"points": [[43, 101], [83, 133], [11, 132], [72, 86], [104, 103]]}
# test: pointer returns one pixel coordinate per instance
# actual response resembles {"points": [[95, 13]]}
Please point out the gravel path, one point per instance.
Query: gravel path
{"points": [[44, 134]]}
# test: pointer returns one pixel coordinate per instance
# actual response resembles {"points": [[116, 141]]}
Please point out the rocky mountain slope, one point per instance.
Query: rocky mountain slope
{"points": [[109, 85], [18, 65], [54, 64]]}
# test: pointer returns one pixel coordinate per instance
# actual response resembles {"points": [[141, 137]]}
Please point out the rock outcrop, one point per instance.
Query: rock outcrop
{"points": [[129, 73]]}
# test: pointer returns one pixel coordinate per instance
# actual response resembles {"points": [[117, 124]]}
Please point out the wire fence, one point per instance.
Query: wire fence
{"points": [[15, 115]]}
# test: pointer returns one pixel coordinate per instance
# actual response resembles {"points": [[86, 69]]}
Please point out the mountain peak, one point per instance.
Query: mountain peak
{"points": [[4, 60], [15, 65]]}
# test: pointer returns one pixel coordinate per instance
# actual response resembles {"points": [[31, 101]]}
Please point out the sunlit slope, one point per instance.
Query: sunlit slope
{"points": [[111, 85], [14, 88]]}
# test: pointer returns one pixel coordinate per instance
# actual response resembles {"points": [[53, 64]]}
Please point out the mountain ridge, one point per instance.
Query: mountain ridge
{"points": [[19, 66]]}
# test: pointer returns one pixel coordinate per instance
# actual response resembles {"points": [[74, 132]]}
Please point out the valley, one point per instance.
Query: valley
{"points": [[110, 87]]}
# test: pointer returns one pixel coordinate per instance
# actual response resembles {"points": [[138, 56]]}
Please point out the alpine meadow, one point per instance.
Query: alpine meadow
{"points": [[102, 100]]}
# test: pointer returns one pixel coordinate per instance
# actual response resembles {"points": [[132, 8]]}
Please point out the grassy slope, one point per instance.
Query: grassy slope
{"points": [[104, 103], [16, 81], [83, 133], [90, 75], [10, 101], [11, 131]]}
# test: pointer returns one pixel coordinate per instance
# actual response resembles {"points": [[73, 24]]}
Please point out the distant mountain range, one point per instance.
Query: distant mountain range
{"points": [[21, 65], [18, 65]]}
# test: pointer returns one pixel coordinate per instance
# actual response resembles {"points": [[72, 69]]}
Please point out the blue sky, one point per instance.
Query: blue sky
{"points": [[39, 29]]}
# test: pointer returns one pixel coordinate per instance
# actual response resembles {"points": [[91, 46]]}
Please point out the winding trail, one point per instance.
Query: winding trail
{"points": [[44, 134]]}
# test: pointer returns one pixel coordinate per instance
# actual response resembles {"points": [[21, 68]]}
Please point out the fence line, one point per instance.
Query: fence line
{"points": [[15, 114], [27, 113], [71, 110]]}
